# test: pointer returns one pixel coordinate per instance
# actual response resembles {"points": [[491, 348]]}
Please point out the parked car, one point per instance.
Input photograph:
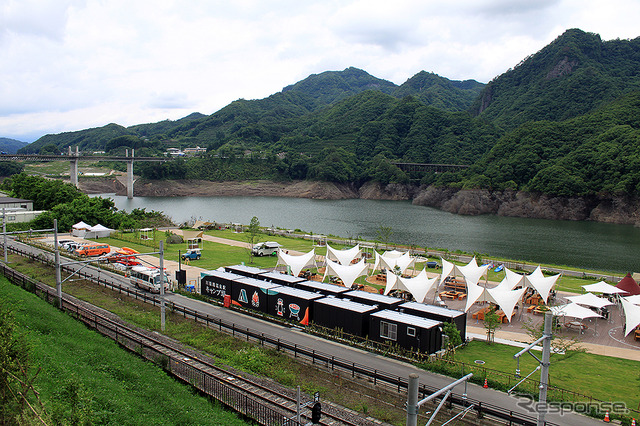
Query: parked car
{"points": [[432, 264], [192, 254], [71, 246], [268, 248], [61, 243]]}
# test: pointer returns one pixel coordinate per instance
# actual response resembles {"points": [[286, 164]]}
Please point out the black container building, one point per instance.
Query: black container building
{"points": [[251, 293], [322, 288], [281, 279], [437, 313], [291, 304], [245, 271], [352, 317], [405, 330], [217, 284], [382, 301]]}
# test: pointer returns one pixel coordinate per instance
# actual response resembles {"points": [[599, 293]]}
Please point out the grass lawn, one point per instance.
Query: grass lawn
{"points": [[88, 379], [604, 378]]}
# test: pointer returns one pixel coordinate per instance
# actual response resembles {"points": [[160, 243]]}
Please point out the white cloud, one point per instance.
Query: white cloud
{"points": [[73, 64]]}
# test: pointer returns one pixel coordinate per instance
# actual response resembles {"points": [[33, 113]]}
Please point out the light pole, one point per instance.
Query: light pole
{"points": [[162, 307]]}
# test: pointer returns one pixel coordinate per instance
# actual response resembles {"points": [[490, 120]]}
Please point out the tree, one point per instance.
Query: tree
{"points": [[453, 339], [491, 324], [383, 234], [252, 234]]}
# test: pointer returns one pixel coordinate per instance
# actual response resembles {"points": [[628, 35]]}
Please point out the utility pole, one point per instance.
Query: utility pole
{"points": [[162, 308], [57, 262], [544, 371]]}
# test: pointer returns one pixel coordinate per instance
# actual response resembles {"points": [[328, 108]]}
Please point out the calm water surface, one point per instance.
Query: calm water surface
{"points": [[580, 244]]}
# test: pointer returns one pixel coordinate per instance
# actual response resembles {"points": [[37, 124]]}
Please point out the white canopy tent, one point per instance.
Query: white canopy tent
{"points": [[511, 280], [98, 231], [296, 263], [80, 229], [344, 257], [602, 287], [541, 283], [506, 299], [632, 316], [573, 310], [403, 261], [418, 286], [635, 299], [590, 299], [347, 273]]}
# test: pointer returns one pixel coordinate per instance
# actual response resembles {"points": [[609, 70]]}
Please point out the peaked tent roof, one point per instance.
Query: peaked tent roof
{"points": [[474, 291], [472, 272], [296, 263], [506, 299], [418, 286], [511, 280], [540, 283], [602, 287], [403, 261], [635, 299], [629, 285], [81, 225], [347, 273], [590, 299], [573, 310], [632, 316], [99, 227], [343, 256]]}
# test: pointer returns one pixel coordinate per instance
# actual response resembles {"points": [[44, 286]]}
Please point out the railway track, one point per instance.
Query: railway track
{"points": [[201, 371]]}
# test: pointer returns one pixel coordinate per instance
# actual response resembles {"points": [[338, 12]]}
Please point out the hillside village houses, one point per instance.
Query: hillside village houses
{"points": [[17, 210], [186, 152]]}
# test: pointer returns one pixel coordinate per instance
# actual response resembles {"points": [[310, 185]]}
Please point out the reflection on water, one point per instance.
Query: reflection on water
{"points": [[580, 244]]}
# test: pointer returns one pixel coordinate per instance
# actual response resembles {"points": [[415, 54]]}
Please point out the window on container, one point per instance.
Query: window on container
{"points": [[411, 331], [388, 330]]}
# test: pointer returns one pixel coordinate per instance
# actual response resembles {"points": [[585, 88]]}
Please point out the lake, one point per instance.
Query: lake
{"points": [[579, 244]]}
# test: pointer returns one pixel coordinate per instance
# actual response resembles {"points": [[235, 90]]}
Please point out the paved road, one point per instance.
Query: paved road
{"points": [[389, 366]]}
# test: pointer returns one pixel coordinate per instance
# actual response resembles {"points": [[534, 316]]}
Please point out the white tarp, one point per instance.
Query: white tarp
{"points": [[80, 229], [418, 286], [573, 310], [403, 261], [632, 316], [602, 287], [81, 225], [541, 283], [474, 291], [98, 231], [506, 299], [472, 272], [344, 257], [347, 273], [448, 269], [296, 263], [590, 299]]}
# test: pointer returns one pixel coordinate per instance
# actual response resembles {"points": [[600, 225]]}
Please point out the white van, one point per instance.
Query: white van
{"points": [[268, 248]]}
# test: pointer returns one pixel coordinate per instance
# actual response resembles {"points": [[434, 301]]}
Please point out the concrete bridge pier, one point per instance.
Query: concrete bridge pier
{"points": [[130, 174], [73, 172]]}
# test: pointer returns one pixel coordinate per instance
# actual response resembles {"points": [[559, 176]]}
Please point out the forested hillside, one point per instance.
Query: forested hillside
{"points": [[563, 122]]}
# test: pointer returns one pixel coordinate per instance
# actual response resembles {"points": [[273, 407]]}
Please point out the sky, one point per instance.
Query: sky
{"points": [[69, 65]]}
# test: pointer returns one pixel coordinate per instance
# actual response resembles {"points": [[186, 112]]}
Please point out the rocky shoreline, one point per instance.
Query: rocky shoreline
{"points": [[619, 210]]}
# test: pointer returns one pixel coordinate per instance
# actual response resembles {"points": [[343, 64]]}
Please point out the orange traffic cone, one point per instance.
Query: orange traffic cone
{"points": [[606, 417], [486, 385]]}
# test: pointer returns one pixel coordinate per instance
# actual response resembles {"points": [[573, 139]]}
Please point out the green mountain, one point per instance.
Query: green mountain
{"points": [[11, 146], [573, 75], [440, 92]]}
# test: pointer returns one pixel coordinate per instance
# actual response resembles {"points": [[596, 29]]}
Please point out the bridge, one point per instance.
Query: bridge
{"points": [[428, 167], [74, 157]]}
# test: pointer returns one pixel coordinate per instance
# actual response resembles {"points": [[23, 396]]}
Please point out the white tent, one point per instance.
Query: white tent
{"points": [[347, 273], [635, 299], [573, 310], [511, 280], [474, 291], [506, 299], [403, 261], [418, 286], [98, 231], [343, 256], [541, 283], [296, 263], [472, 272], [602, 287], [632, 316], [448, 269], [80, 229], [590, 299]]}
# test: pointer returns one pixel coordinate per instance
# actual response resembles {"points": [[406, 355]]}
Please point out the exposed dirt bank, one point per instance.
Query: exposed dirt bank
{"points": [[469, 202]]}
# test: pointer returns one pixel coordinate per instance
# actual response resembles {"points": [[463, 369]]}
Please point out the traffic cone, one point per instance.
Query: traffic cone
{"points": [[633, 422], [606, 417], [486, 385]]}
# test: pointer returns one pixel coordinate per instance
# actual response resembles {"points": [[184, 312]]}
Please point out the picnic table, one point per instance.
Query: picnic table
{"points": [[453, 295], [455, 284], [636, 334], [576, 324]]}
